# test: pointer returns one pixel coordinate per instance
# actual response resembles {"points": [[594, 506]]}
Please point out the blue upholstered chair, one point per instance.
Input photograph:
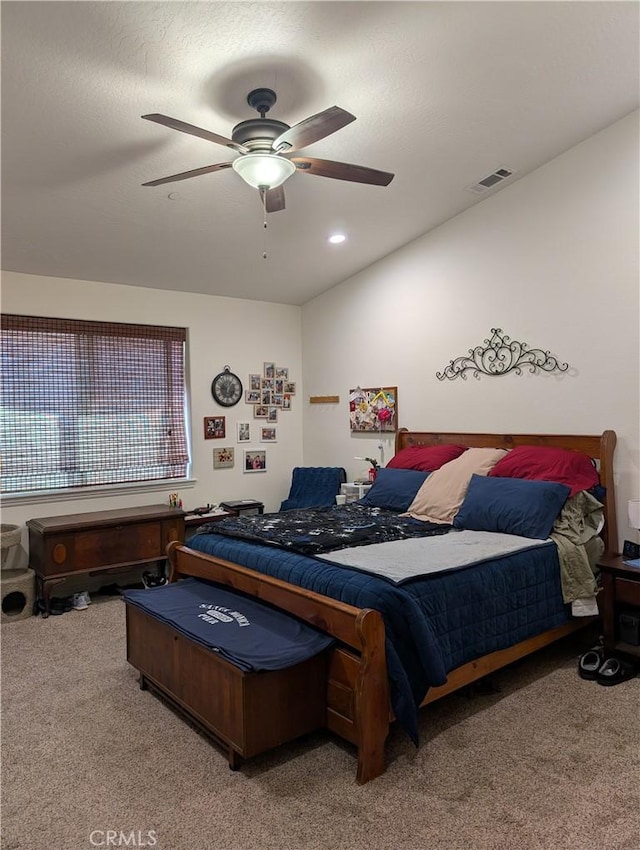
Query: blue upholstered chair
{"points": [[314, 487]]}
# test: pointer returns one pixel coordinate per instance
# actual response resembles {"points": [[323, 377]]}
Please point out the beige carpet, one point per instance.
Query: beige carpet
{"points": [[549, 762]]}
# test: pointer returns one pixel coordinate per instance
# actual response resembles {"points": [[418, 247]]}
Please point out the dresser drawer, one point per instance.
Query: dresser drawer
{"points": [[117, 545], [627, 591]]}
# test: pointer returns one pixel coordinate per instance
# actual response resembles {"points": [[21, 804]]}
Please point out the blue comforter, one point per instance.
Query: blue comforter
{"points": [[433, 624]]}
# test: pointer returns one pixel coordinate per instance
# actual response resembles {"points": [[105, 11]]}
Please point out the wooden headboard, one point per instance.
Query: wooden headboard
{"points": [[600, 447]]}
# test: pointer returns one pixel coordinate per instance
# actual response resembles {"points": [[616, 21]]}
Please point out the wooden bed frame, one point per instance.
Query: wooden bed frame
{"points": [[358, 707]]}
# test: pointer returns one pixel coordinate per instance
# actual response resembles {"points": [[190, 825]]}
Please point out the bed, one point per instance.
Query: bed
{"points": [[403, 644]]}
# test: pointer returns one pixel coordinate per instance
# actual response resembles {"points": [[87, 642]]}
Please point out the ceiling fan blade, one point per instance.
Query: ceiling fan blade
{"points": [[183, 127], [342, 171], [313, 129], [185, 175], [273, 199]]}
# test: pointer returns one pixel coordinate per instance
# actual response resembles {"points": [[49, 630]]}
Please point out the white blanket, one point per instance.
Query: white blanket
{"points": [[402, 560]]}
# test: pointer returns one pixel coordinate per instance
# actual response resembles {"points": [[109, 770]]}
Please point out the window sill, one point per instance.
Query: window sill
{"points": [[80, 493]]}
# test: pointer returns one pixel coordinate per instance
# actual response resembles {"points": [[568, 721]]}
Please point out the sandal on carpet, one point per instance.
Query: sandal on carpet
{"points": [[590, 662], [616, 670]]}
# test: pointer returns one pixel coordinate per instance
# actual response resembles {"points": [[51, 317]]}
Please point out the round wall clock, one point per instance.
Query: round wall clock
{"points": [[226, 388]]}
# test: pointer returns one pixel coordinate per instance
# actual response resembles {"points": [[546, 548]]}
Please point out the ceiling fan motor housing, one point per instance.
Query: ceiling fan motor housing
{"points": [[258, 134]]}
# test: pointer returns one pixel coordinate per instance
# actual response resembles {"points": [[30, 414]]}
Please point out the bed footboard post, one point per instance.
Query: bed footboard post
{"points": [[172, 557], [371, 697]]}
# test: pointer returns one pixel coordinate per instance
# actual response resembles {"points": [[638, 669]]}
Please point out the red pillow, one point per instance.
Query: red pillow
{"points": [[425, 458], [542, 463]]}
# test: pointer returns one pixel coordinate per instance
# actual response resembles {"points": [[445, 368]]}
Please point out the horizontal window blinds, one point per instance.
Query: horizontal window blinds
{"points": [[87, 403]]}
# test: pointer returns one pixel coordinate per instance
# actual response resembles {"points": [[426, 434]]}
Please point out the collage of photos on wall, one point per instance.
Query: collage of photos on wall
{"points": [[270, 393]]}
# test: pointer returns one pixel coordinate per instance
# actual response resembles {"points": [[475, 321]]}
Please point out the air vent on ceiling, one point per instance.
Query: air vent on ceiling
{"points": [[491, 180]]}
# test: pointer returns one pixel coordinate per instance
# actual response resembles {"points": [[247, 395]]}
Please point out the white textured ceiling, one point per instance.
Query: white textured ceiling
{"points": [[444, 93]]}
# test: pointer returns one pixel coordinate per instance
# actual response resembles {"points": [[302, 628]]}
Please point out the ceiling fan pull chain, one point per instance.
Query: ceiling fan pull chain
{"points": [[263, 195]]}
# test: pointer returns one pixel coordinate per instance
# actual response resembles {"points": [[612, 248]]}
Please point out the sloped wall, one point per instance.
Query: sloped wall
{"points": [[552, 260]]}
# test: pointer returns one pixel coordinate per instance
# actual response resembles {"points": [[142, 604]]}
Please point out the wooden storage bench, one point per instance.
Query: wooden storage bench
{"points": [[246, 713]]}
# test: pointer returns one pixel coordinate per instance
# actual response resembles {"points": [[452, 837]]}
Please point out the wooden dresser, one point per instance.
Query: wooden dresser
{"points": [[99, 542]]}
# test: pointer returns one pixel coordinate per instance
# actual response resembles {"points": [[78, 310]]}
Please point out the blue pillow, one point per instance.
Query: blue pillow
{"points": [[394, 489], [511, 506]]}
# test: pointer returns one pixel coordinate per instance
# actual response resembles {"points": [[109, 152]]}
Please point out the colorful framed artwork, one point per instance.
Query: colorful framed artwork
{"points": [[373, 409], [214, 427]]}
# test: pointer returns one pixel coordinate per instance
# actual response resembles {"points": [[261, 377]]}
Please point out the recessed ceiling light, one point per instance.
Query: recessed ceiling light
{"points": [[337, 238]]}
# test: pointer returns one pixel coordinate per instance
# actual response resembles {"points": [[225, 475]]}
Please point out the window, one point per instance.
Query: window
{"points": [[89, 403]]}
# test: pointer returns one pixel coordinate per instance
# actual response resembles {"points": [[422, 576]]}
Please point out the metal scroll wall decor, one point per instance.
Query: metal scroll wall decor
{"points": [[501, 355]]}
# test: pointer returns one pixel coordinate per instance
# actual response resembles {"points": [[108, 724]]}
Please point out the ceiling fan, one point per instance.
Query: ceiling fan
{"points": [[264, 145]]}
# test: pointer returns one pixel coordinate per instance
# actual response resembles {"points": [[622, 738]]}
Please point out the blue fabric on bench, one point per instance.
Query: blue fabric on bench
{"points": [[251, 635], [314, 487]]}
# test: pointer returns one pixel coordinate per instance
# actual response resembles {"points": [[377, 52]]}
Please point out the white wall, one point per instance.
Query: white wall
{"points": [[552, 260], [221, 331]]}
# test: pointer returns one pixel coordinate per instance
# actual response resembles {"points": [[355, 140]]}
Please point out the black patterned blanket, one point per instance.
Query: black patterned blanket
{"points": [[315, 530]]}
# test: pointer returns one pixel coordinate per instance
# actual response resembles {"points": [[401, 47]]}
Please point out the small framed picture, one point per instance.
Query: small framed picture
{"points": [[286, 402], [265, 396], [254, 382], [255, 460], [252, 396], [268, 435], [214, 427], [224, 458], [290, 387], [269, 370], [260, 411], [244, 432], [272, 414], [278, 386], [282, 372], [277, 399]]}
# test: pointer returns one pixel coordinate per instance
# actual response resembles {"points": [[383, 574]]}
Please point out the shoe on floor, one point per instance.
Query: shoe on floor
{"points": [[86, 597], [616, 670], [590, 662], [79, 602], [60, 605]]}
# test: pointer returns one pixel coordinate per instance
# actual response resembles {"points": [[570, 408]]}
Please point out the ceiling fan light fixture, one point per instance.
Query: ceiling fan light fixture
{"points": [[263, 170]]}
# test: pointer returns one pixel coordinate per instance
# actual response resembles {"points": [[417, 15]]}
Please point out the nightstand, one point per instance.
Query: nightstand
{"points": [[354, 490], [621, 605]]}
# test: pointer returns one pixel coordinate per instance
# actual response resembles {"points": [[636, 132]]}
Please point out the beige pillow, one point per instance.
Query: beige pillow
{"points": [[440, 497]]}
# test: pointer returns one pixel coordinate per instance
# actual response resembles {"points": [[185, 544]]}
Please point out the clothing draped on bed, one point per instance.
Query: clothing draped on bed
{"points": [[433, 623]]}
